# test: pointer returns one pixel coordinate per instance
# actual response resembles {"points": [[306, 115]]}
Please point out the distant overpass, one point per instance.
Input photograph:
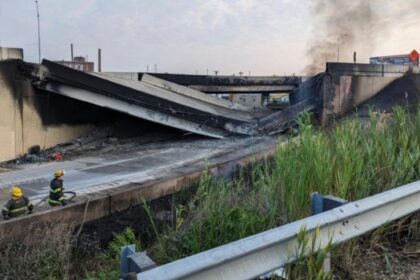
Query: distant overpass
{"points": [[223, 84]]}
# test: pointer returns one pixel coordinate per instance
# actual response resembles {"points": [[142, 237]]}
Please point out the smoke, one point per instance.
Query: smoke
{"points": [[342, 27]]}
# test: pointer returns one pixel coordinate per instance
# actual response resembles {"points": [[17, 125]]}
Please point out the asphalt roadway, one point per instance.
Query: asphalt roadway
{"points": [[91, 174]]}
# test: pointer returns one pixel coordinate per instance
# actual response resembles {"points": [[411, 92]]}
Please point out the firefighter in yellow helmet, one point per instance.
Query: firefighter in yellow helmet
{"points": [[56, 196], [17, 205]]}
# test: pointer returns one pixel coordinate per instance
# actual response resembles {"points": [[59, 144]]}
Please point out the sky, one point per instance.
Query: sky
{"points": [[260, 37]]}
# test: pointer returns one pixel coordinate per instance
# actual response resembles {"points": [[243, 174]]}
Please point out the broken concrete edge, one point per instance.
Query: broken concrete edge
{"points": [[192, 93], [94, 206]]}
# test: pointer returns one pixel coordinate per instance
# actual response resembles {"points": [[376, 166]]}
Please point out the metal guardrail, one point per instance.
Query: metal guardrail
{"points": [[259, 254]]}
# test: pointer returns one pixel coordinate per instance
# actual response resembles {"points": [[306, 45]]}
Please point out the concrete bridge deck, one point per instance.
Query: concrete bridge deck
{"points": [[114, 182]]}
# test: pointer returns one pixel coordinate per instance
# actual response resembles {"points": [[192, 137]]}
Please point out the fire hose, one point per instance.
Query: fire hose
{"points": [[68, 197]]}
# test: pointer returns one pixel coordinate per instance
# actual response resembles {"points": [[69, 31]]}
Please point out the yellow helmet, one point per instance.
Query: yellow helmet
{"points": [[16, 192], [59, 172]]}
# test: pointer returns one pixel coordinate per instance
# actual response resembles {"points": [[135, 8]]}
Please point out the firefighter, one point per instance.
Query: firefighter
{"points": [[17, 205], [56, 197]]}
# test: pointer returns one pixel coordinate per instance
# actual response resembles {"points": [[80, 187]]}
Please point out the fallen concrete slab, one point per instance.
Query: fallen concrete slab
{"points": [[165, 104], [195, 94], [134, 110]]}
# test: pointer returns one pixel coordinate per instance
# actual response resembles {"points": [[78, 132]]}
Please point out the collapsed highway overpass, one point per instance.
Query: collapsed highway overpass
{"points": [[115, 182], [159, 101], [50, 104]]}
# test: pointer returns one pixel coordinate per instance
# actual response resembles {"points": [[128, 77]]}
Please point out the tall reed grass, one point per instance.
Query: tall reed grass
{"points": [[353, 160]]}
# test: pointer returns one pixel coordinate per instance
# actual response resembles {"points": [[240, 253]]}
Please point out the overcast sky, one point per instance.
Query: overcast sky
{"points": [[264, 37]]}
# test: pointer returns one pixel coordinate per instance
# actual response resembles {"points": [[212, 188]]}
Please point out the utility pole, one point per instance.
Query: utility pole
{"points": [[71, 51], [99, 60], [39, 33]]}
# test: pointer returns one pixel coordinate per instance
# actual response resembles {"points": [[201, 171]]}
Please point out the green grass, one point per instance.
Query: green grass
{"points": [[43, 254], [108, 264], [351, 161], [310, 258]]}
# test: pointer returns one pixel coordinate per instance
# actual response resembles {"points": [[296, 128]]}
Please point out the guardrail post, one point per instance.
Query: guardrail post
{"points": [[125, 252], [321, 203]]}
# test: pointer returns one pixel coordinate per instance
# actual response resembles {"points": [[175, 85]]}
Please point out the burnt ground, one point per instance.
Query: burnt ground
{"points": [[97, 234], [125, 135]]}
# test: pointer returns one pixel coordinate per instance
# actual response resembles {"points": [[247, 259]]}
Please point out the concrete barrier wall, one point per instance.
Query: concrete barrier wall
{"points": [[11, 53], [21, 126], [346, 86], [342, 94], [8, 125], [351, 91]]}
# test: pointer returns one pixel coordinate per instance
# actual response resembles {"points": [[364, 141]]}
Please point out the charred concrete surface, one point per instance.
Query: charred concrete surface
{"points": [[30, 117], [404, 91], [111, 182], [345, 87], [282, 120], [22, 124], [350, 85]]}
